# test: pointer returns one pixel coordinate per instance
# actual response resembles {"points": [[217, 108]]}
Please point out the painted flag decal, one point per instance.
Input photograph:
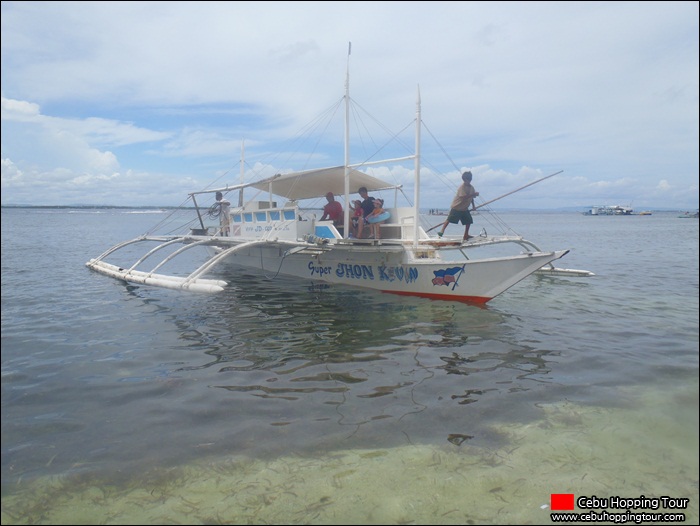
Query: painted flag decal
{"points": [[447, 276]]}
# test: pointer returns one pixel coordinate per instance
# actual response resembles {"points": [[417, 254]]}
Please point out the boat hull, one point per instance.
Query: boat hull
{"points": [[398, 271]]}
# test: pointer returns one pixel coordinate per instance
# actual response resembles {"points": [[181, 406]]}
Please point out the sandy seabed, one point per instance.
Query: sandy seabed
{"points": [[584, 450]]}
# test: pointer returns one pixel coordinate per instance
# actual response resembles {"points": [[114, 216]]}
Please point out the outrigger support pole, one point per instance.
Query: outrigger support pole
{"points": [[518, 189]]}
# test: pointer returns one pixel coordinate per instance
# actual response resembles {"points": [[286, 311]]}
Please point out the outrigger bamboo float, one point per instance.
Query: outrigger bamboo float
{"points": [[289, 239]]}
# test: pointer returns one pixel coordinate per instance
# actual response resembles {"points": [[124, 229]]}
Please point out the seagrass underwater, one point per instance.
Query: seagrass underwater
{"points": [[286, 401]]}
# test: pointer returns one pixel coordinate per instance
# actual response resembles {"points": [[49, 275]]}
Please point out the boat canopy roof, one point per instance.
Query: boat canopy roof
{"points": [[315, 183]]}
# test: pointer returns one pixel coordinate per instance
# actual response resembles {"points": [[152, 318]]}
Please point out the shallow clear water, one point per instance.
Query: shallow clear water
{"points": [[285, 401]]}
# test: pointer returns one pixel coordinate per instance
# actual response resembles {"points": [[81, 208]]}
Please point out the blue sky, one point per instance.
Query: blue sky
{"points": [[139, 103]]}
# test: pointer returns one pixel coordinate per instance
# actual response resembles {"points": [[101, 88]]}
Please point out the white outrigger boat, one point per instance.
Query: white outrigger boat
{"points": [[288, 239]]}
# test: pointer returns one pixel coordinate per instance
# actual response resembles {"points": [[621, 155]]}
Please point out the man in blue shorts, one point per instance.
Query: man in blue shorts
{"points": [[459, 209], [367, 206]]}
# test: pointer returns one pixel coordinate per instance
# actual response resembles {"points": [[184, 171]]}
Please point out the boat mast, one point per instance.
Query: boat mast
{"points": [[346, 215], [416, 162], [240, 193]]}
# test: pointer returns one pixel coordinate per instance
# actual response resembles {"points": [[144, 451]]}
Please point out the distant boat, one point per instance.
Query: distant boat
{"points": [[645, 213], [606, 210], [689, 215]]}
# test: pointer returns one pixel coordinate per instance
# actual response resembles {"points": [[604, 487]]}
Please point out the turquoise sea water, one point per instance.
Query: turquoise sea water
{"points": [[288, 402]]}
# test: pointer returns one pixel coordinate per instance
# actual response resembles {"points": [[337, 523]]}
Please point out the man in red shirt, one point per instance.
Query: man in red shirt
{"points": [[333, 210]]}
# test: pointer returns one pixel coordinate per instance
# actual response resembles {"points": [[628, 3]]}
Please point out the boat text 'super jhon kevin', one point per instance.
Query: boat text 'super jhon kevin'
{"points": [[277, 229]]}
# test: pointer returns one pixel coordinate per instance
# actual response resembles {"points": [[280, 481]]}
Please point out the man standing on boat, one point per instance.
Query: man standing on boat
{"points": [[459, 209], [333, 210], [224, 206]]}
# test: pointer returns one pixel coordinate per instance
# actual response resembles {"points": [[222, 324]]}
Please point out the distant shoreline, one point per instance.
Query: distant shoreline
{"points": [[99, 207], [577, 209]]}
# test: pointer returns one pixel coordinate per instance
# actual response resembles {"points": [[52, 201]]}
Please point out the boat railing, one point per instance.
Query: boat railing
{"points": [[400, 224]]}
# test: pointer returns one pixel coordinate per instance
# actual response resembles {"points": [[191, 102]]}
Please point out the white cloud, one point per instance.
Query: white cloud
{"points": [[19, 110], [664, 186], [607, 92]]}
